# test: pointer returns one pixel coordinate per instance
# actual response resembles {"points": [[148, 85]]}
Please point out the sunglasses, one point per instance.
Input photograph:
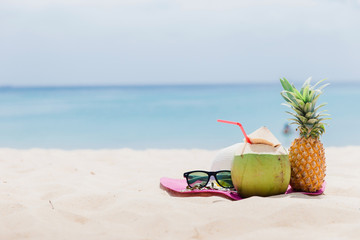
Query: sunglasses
{"points": [[199, 178]]}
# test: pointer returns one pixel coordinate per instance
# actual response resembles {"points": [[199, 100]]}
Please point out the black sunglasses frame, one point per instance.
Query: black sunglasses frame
{"points": [[209, 173]]}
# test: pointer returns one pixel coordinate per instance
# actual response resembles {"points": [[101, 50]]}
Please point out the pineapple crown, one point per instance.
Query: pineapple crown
{"points": [[303, 103]]}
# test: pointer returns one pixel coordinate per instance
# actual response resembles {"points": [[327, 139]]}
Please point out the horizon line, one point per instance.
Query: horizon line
{"points": [[6, 86]]}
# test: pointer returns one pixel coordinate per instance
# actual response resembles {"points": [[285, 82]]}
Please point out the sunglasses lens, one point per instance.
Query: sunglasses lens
{"points": [[224, 179], [197, 179]]}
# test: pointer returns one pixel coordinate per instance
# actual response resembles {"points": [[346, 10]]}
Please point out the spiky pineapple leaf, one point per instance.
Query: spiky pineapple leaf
{"points": [[287, 105], [297, 94], [305, 112], [285, 96], [309, 114], [297, 110], [306, 94], [293, 121], [323, 86], [293, 114], [308, 107], [311, 121], [306, 83], [316, 84], [322, 115], [312, 95], [315, 98], [286, 85], [320, 106]]}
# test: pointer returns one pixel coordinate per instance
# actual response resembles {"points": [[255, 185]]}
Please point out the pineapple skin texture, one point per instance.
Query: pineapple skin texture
{"points": [[307, 160]]}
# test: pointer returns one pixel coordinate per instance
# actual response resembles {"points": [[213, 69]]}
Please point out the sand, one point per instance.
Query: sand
{"points": [[115, 194]]}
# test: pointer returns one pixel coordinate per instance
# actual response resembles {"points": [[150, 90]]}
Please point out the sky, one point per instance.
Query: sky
{"points": [[136, 42]]}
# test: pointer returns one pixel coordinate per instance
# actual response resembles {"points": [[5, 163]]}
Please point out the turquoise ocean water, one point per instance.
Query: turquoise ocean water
{"points": [[143, 117]]}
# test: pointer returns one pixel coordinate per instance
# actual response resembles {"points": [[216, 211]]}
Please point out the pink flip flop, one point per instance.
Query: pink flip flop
{"points": [[177, 187]]}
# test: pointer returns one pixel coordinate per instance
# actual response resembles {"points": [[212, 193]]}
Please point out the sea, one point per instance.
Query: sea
{"points": [[162, 116]]}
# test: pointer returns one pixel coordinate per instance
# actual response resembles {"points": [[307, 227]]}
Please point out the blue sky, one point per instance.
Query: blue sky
{"points": [[111, 42]]}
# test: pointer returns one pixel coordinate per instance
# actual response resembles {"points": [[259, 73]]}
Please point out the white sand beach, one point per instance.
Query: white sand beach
{"points": [[115, 194]]}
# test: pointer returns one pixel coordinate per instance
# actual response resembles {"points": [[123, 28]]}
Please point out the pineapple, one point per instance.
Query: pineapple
{"points": [[306, 154]]}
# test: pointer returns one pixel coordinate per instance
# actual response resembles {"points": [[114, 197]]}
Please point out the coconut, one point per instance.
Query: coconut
{"points": [[261, 168]]}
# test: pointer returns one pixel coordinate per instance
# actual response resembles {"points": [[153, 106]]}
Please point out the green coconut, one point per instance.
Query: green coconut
{"points": [[261, 168]]}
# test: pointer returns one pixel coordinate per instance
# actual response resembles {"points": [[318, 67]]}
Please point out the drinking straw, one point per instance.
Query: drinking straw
{"points": [[241, 127]]}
